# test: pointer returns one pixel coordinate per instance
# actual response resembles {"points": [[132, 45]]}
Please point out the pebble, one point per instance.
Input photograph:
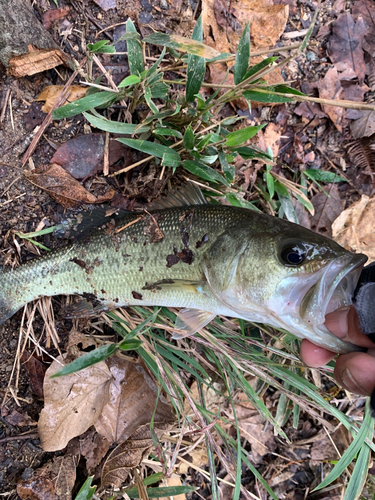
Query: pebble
{"points": [[310, 56], [164, 4]]}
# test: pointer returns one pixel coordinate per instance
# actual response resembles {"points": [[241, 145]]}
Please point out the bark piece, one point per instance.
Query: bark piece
{"points": [[26, 47]]}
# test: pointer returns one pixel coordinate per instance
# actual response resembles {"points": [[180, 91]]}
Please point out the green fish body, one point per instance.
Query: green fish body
{"points": [[207, 259]]}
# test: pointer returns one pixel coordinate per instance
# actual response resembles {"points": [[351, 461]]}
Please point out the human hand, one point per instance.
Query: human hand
{"points": [[354, 371]]}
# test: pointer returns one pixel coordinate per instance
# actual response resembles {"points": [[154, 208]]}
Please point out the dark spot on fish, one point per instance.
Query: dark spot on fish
{"points": [[133, 238], [116, 300], [199, 243], [103, 291], [50, 283], [185, 236], [126, 255], [97, 261], [156, 285], [223, 249], [79, 262], [137, 296], [141, 268], [172, 260], [186, 255]]}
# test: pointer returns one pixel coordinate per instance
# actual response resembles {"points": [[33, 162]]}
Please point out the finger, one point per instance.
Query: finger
{"points": [[344, 323], [313, 355], [356, 372]]}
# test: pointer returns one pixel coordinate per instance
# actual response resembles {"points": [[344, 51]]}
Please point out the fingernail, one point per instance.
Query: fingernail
{"points": [[350, 382], [337, 322]]}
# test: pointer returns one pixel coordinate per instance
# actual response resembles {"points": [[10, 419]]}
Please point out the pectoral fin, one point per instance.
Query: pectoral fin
{"points": [[191, 321]]}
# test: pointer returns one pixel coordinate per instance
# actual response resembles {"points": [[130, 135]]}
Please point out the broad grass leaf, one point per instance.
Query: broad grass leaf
{"points": [[183, 44], [88, 359], [189, 138], [170, 157], [87, 491], [240, 136], [162, 492], [260, 96], [101, 47], [168, 132], [129, 80], [258, 67], [203, 171], [72, 403], [99, 99], [196, 66], [133, 397], [323, 176], [135, 53], [114, 127], [235, 200], [242, 56]]}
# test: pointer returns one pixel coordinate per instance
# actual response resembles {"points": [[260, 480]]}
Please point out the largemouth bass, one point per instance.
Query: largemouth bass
{"points": [[206, 259]]}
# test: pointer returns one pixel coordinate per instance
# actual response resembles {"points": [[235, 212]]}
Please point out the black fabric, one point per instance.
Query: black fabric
{"points": [[364, 300]]}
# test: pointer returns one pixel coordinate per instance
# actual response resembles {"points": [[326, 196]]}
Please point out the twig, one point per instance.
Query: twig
{"points": [[5, 105], [11, 111], [106, 155]]}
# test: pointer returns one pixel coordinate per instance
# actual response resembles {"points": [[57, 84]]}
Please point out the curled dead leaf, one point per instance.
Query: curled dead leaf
{"points": [[129, 454], [51, 93], [133, 396], [63, 187], [354, 228], [72, 403]]}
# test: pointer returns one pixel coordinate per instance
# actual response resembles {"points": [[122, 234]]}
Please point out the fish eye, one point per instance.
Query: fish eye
{"points": [[293, 255]]}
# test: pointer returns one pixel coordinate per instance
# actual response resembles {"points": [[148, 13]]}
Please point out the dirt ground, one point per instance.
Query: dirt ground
{"points": [[23, 206]]}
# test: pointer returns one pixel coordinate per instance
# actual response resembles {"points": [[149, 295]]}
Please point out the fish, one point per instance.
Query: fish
{"points": [[207, 259]]}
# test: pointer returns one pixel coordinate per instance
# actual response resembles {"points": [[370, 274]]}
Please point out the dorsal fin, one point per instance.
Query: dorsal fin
{"points": [[186, 195]]}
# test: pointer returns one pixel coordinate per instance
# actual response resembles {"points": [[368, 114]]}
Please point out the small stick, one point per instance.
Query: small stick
{"points": [[106, 155], [7, 95], [11, 111]]}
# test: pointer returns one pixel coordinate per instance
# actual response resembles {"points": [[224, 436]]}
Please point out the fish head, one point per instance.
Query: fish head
{"points": [[286, 276]]}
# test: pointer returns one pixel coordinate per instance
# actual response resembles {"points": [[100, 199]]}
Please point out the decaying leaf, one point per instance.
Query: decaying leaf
{"points": [[93, 447], [364, 126], [354, 227], [71, 403], [133, 396], [129, 454], [106, 4], [365, 9], [51, 93], [63, 187], [54, 481], [330, 88], [54, 15], [76, 337], [327, 209], [345, 47], [83, 156], [20, 419]]}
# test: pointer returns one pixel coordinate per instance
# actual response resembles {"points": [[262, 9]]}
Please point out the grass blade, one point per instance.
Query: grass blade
{"points": [[135, 54], [242, 56], [90, 358], [87, 491], [240, 136], [196, 66], [170, 157], [183, 44], [88, 102], [114, 127], [203, 171]]}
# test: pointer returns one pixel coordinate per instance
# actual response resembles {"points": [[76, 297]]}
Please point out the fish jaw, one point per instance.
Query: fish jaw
{"points": [[312, 297]]}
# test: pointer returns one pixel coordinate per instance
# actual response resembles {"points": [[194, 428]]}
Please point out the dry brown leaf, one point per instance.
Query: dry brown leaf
{"points": [[76, 337], [36, 371], [106, 4], [129, 454], [133, 395], [327, 209], [365, 9], [63, 187], [364, 126], [72, 403], [222, 29], [93, 447], [354, 227], [20, 419], [345, 47], [64, 469], [330, 88], [40, 488], [52, 92]]}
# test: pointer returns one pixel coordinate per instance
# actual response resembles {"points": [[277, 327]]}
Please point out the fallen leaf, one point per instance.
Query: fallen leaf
{"points": [[83, 156], [330, 88], [364, 126], [52, 92], [345, 47], [76, 337], [20, 419], [106, 4], [53, 15], [222, 29], [63, 187], [34, 116], [133, 396], [365, 9], [129, 454], [36, 370], [327, 209], [71, 403], [64, 469], [354, 227], [40, 488], [93, 447], [272, 136], [330, 447]]}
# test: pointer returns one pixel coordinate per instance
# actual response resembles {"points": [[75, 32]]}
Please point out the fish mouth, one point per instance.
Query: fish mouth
{"points": [[333, 289]]}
